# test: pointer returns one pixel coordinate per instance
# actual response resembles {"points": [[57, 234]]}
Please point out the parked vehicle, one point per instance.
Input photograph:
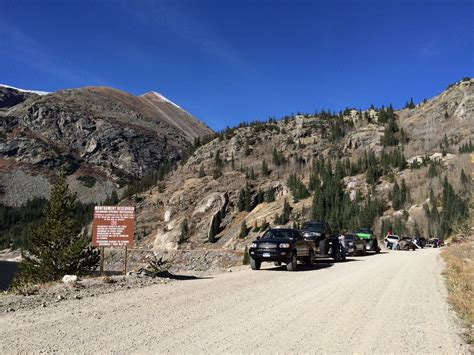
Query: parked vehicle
{"points": [[420, 242], [406, 243], [353, 244], [434, 243], [371, 240], [283, 245], [391, 239], [326, 244]]}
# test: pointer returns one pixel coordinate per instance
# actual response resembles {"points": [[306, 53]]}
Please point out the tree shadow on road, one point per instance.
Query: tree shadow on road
{"points": [[169, 275]]}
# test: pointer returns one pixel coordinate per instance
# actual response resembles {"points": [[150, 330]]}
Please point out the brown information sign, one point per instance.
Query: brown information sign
{"points": [[113, 226]]}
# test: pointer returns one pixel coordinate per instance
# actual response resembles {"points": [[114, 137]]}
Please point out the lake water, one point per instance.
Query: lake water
{"points": [[7, 270]]}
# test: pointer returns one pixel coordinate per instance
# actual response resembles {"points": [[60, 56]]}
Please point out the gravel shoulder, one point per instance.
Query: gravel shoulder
{"points": [[388, 303]]}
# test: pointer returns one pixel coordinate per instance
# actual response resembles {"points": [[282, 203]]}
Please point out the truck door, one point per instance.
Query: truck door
{"points": [[301, 245]]}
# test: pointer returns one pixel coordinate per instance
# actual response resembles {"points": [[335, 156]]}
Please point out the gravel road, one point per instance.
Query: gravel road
{"points": [[388, 303]]}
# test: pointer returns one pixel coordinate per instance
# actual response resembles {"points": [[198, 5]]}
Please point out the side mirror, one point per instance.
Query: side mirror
{"points": [[258, 238]]}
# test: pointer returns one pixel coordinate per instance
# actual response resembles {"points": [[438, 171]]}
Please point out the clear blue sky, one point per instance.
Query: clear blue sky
{"points": [[233, 60]]}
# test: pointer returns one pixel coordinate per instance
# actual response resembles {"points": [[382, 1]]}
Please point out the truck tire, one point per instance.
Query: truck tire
{"points": [[255, 264], [336, 254], [343, 254], [292, 263], [322, 247], [308, 260]]}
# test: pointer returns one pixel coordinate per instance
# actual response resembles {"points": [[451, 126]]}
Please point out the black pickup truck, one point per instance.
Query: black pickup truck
{"points": [[327, 245], [282, 245]]}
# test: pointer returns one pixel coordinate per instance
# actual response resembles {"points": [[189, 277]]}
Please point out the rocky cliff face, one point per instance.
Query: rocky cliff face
{"points": [[10, 96], [198, 201], [450, 113], [101, 134]]}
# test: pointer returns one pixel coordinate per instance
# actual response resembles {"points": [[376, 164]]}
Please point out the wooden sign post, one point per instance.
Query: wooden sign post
{"points": [[113, 226]]}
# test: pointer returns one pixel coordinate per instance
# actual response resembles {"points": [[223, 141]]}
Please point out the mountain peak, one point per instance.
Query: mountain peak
{"points": [[153, 95]]}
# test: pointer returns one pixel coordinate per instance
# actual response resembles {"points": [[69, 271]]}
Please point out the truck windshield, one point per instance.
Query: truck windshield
{"points": [[277, 234], [313, 227]]}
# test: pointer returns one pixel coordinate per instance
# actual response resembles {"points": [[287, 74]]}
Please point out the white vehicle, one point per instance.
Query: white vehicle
{"points": [[390, 240]]}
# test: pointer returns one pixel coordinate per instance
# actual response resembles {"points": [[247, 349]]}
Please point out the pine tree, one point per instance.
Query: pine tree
{"points": [[314, 181], [284, 218], [250, 174], [184, 235], [244, 231], [248, 199], [218, 165], [465, 181], [202, 173], [246, 258], [256, 228], [113, 199], [404, 193], [270, 195], [241, 201], [264, 226], [298, 189], [265, 171], [232, 162], [396, 199], [57, 246], [277, 157]]}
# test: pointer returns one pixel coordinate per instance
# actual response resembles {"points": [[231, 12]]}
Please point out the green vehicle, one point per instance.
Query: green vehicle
{"points": [[370, 238]]}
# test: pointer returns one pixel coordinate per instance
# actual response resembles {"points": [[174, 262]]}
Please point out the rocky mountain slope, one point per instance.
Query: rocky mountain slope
{"points": [[103, 138], [11, 96], [196, 220]]}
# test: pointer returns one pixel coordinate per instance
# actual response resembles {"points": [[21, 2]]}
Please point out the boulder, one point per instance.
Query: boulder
{"points": [[69, 279]]}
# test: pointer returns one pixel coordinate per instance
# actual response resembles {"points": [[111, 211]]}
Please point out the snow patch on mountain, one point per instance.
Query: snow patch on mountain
{"points": [[23, 90], [161, 98]]}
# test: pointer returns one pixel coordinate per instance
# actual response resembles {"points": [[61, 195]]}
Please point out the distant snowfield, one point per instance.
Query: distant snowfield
{"points": [[22, 90]]}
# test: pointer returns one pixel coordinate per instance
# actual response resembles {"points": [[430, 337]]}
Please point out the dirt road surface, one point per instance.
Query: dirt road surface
{"points": [[387, 303]]}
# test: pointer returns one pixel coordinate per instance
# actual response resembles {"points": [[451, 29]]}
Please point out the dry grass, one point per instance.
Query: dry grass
{"points": [[459, 275]]}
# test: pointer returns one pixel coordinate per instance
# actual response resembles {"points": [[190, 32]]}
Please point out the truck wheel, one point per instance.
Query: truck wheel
{"points": [[255, 264], [292, 263], [308, 260], [343, 254], [322, 247]]}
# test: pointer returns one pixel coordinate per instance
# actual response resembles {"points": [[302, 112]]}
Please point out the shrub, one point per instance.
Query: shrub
{"points": [[244, 231], [246, 259], [57, 246]]}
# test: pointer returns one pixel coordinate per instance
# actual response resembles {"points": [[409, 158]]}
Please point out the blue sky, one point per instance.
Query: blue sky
{"points": [[229, 61]]}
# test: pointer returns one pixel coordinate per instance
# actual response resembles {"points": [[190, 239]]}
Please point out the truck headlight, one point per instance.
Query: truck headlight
{"points": [[317, 234], [284, 246], [254, 245]]}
